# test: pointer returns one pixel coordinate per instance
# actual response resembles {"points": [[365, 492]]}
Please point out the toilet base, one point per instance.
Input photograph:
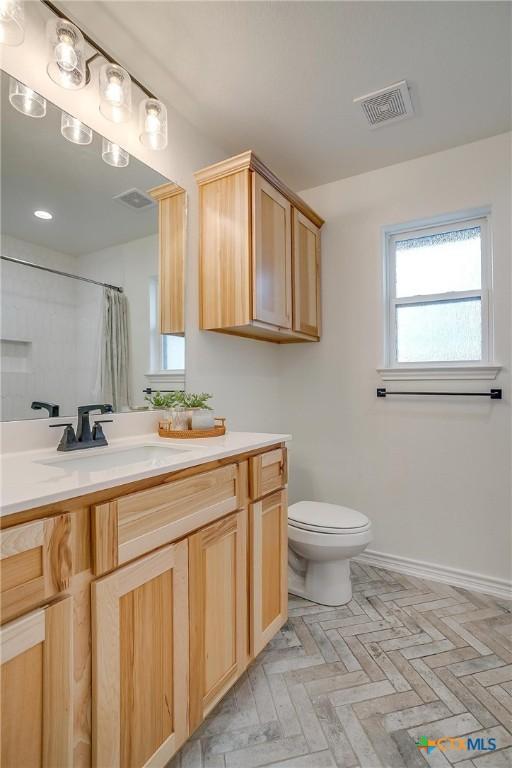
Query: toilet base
{"points": [[324, 582]]}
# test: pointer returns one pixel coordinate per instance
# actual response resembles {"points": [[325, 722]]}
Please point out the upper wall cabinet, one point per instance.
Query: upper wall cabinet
{"points": [[259, 254], [171, 235]]}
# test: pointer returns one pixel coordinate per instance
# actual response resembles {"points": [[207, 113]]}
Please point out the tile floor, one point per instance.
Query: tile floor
{"points": [[356, 686]]}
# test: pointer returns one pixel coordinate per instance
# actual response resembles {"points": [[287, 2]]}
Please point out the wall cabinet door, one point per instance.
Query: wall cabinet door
{"points": [[140, 660], [218, 611], [269, 568], [272, 239], [306, 275], [36, 688]]}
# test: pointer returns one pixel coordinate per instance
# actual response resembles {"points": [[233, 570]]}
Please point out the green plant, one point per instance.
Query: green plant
{"points": [[161, 400], [195, 400]]}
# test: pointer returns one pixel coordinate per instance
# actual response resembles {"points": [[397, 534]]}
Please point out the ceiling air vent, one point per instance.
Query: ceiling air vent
{"points": [[387, 105], [134, 198]]}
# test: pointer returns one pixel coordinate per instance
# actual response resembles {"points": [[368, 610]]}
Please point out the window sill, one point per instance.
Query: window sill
{"points": [[478, 371], [166, 379]]}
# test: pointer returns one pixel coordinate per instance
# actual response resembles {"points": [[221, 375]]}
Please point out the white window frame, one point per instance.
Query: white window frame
{"points": [[475, 369]]}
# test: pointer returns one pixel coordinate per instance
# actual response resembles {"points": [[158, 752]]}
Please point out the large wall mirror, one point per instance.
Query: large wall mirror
{"points": [[80, 316]]}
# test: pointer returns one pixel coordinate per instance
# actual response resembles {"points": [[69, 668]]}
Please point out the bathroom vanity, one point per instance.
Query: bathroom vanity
{"points": [[135, 595]]}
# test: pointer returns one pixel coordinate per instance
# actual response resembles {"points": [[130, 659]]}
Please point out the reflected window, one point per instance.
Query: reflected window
{"points": [[167, 353], [438, 294]]}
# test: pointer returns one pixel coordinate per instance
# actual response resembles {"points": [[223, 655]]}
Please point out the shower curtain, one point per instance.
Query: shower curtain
{"points": [[114, 365]]}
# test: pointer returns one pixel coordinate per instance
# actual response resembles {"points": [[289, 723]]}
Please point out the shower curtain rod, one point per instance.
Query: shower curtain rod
{"points": [[63, 274]]}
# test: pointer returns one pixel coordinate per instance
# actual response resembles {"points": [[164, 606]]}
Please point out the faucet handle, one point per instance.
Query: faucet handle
{"points": [[68, 439], [97, 431]]}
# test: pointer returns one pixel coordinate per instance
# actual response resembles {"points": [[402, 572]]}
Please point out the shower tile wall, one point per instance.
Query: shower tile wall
{"points": [[38, 308]]}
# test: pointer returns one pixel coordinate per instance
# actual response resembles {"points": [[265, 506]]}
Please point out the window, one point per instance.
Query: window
{"points": [[438, 294], [167, 353]]}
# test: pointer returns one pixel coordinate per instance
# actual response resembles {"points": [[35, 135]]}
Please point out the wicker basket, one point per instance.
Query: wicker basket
{"points": [[189, 434]]}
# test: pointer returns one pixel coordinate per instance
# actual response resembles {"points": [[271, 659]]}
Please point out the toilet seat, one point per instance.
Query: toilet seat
{"points": [[322, 517]]}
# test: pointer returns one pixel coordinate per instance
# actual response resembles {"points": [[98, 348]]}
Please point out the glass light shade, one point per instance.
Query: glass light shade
{"points": [[12, 22], [153, 124], [25, 100], [115, 93], [66, 54], [75, 131], [114, 155]]}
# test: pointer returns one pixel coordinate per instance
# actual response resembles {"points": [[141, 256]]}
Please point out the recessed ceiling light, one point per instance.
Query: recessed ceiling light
{"points": [[43, 215]]}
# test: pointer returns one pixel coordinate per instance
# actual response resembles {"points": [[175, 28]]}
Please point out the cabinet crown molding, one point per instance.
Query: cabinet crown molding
{"points": [[249, 161]]}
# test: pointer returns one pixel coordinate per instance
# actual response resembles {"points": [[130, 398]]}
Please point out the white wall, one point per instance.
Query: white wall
{"points": [[38, 308], [432, 474], [242, 374]]}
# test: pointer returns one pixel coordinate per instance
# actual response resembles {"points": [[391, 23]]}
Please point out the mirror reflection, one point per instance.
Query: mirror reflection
{"points": [[76, 210]]}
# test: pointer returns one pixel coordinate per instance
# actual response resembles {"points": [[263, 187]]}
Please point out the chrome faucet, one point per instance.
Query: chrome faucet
{"points": [[84, 438]]}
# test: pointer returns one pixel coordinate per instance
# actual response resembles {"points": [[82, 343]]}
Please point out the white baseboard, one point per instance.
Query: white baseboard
{"points": [[500, 588]]}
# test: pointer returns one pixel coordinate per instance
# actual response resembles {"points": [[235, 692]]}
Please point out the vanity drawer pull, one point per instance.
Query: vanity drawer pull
{"points": [[132, 525]]}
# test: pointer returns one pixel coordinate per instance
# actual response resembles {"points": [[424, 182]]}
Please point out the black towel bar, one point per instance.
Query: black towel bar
{"points": [[494, 394]]}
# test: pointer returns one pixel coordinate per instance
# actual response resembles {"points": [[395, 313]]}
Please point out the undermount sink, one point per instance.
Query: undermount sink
{"points": [[97, 459]]}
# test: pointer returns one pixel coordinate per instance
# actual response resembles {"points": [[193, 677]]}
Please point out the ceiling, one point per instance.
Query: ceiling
{"points": [[41, 170], [280, 77]]}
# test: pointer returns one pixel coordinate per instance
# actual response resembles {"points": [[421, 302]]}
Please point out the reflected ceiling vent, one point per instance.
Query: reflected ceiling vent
{"points": [[389, 105], [134, 198]]}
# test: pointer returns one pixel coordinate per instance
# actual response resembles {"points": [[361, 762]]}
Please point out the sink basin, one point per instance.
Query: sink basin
{"points": [[97, 459]]}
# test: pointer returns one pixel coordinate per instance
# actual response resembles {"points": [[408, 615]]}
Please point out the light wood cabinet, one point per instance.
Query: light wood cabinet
{"points": [[171, 243], [119, 670], [140, 660], [269, 568], [272, 243], [218, 611], [35, 563], [259, 267], [36, 688], [306, 275]]}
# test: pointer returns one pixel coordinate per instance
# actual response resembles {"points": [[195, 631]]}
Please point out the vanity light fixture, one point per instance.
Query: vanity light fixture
{"points": [[153, 124], [12, 22], [115, 93], [114, 155], [66, 54], [25, 100], [75, 131], [46, 215]]}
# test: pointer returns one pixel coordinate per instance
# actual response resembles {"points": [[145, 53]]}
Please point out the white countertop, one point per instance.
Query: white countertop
{"points": [[34, 478]]}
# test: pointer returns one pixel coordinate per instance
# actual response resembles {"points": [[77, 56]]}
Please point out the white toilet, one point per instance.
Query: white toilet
{"points": [[321, 540]]}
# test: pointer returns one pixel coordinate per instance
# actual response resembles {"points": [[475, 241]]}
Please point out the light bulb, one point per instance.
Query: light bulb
{"points": [[25, 100], [153, 124], [12, 22], [65, 54], [115, 93]]}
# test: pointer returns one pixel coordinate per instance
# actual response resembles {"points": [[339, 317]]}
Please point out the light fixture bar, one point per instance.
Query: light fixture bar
{"points": [[101, 51]]}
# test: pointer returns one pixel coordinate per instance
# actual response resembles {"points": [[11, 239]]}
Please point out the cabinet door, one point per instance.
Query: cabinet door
{"points": [[140, 660], [269, 568], [306, 275], [36, 688], [35, 563], [218, 611], [272, 254]]}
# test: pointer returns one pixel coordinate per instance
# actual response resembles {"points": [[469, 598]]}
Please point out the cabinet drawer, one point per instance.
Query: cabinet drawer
{"points": [[35, 563], [267, 472], [132, 525]]}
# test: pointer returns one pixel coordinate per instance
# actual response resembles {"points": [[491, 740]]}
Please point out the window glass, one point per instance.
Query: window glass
{"points": [[449, 261], [439, 331]]}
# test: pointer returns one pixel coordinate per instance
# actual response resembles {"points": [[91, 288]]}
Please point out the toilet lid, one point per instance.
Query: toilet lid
{"points": [[330, 518]]}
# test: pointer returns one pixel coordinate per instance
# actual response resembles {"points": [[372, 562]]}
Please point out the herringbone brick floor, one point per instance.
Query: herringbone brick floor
{"points": [[356, 686]]}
